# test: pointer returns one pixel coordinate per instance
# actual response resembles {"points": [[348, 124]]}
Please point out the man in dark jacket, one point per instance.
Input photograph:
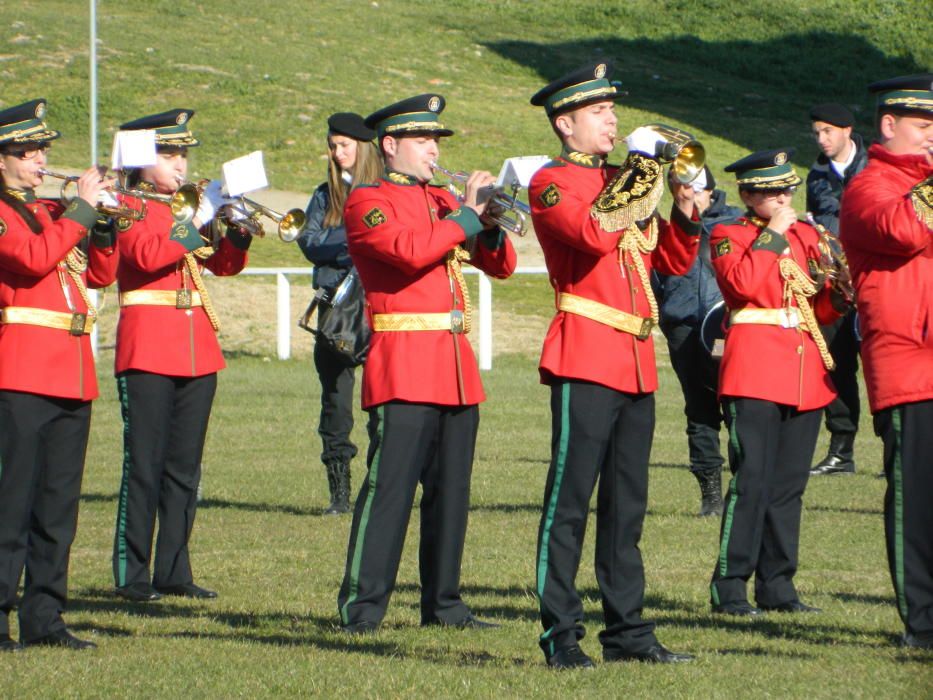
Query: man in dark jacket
{"points": [[684, 301], [843, 156]]}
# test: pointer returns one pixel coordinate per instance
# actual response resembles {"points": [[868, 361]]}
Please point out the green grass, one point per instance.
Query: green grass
{"points": [[261, 540]]}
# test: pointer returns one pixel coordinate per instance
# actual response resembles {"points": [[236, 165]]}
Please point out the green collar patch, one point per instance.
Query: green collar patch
{"points": [[586, 160], [399, 178]]}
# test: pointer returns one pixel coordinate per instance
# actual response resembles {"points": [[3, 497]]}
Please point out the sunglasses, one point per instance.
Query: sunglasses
{"points": [[28, 152]]}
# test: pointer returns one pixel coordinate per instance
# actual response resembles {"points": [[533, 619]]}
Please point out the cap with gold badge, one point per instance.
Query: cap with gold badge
{"points": [[765, 170], [589, 83], [908, 93], [415, 115], [171, 128], [25, 123]]}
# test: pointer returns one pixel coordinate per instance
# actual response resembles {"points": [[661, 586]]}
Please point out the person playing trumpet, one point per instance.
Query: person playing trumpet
{"points": [[167, 359], [421, 384], [601, 238], [773, 381], [47, 375]]}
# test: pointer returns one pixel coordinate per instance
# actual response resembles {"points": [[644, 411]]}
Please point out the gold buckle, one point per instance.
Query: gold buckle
{"points": [[456, 321], [182, 298], [645, 331], [78, 322]]}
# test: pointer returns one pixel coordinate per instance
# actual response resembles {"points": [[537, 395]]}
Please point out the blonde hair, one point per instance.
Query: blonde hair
{"points": [[367, 169]]}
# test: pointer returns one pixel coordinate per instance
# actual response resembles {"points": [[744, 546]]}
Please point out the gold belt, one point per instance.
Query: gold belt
{"points": [[607, 315], [448, 321], [179, 298], [74, 323], [785, 318]]}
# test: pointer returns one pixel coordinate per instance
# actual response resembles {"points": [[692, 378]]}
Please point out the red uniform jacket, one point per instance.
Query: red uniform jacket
{"points": [[34, 359], [163, 339], [583, 259], [772, 363], [398, 236], [890, 252]]}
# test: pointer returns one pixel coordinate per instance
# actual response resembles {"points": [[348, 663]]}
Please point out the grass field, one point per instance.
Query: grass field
{"points": [[262, 542]]}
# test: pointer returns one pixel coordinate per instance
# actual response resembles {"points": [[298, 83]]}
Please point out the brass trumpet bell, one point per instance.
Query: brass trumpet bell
{"points": [[686, 155], [289, 225]]}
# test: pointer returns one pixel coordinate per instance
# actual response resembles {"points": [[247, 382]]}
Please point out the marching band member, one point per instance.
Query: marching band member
{"points": [[167, 359], [598, 360], [47, 375], [887, 231], [421, 385], [354, 159], [773, 380]]}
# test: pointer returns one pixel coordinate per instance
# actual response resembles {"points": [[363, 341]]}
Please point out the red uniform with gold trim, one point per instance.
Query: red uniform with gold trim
{"points": [[164, 339], [35, 359], [767, 362], [399, 240], [584, 260], [890, 253]]}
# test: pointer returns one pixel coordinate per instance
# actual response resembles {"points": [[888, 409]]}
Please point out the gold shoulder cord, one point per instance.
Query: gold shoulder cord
{"points": [[455, 258], [797, 284], [191, 264], [75, 265], [634, 243]]}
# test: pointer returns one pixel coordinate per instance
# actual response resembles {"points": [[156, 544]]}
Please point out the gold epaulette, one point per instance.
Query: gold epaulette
{"points": [[632, 195], [922, 197]]}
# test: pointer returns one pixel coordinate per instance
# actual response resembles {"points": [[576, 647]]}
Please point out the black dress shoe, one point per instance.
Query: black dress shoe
{"points": [[361, 628], [470, 622], [916, 641], [138, 592], [187, 590], [61, 638], [655, 654], [833, 465], [8, 644], [791, 606], [570, 657], [741, 609]]}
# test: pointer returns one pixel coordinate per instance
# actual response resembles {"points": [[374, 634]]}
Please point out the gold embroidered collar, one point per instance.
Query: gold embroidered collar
{"points": [[21, 195], [586, 160], [399, 178]]}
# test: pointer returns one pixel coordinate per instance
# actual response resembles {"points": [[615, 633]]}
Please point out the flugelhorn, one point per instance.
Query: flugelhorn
{"points": [[503, 209], [289, 225], [686, 155]]}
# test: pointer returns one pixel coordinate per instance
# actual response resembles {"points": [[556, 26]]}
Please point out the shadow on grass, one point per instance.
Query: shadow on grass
{"points": [[844, 509], [864, 598], [728, 88]]}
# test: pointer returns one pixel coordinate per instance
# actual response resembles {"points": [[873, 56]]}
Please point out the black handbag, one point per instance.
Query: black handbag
{"points": [[342, 325]]}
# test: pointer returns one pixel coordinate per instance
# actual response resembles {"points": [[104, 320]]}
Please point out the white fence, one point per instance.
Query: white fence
{"points": [[285, 319]]}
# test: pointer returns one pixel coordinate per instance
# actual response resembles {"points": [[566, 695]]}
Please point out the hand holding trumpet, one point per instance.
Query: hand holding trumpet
{"points": [[478, 191]]}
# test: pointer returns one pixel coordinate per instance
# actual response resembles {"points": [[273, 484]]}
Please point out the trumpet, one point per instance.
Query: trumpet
{"points": [[833, 263], [66, 196], [686, 155], [289, 225], [503, 209]]}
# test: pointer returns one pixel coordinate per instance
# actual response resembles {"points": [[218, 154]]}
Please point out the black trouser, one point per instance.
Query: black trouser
{"points": [[842, 415], [43, 441], [336, 420], [908, 509], [164, 427], [596, 433], [770, 448], [409, 443], [698, 374]]}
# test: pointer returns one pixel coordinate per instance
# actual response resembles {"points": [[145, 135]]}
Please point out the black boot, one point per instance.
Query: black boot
{"points": [[338, 479], [710, 491], [839, 459]]}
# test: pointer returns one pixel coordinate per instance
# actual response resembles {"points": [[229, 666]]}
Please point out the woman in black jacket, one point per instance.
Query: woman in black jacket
{"points": [[354, 159]]}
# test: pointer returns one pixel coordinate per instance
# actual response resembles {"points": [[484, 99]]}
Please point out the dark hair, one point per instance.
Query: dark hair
{"points": [[14, 202]]}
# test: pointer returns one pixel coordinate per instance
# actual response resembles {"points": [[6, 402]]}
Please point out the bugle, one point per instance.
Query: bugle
{"points": [[64, 194], [686, 155], [288, 225], [503, 209], [833, 263]]}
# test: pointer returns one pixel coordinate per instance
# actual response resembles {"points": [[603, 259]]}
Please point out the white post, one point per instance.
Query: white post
{"points": [[485, 322], [283, 315], [93, 73], [93, 296]]}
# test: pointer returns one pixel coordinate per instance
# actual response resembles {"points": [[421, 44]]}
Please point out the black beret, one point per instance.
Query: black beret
{"points": [[350, 124], [832, 113], [415, 115], [586, 84], [171, 127], [908, 93]]}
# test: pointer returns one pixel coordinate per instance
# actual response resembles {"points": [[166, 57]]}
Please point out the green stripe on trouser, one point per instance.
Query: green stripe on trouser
{"points": [[733, 497], [897, 472], [563, 442], [124, 483], [364, 520]]}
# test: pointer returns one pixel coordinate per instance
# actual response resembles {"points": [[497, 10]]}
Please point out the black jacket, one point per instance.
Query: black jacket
{"points": [[685, 299], [824, 186], [324, 246]]}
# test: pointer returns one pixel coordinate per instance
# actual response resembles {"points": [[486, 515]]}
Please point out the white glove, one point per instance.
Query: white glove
{"points": [[108, 199], [644, 140], [212, 199]]}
